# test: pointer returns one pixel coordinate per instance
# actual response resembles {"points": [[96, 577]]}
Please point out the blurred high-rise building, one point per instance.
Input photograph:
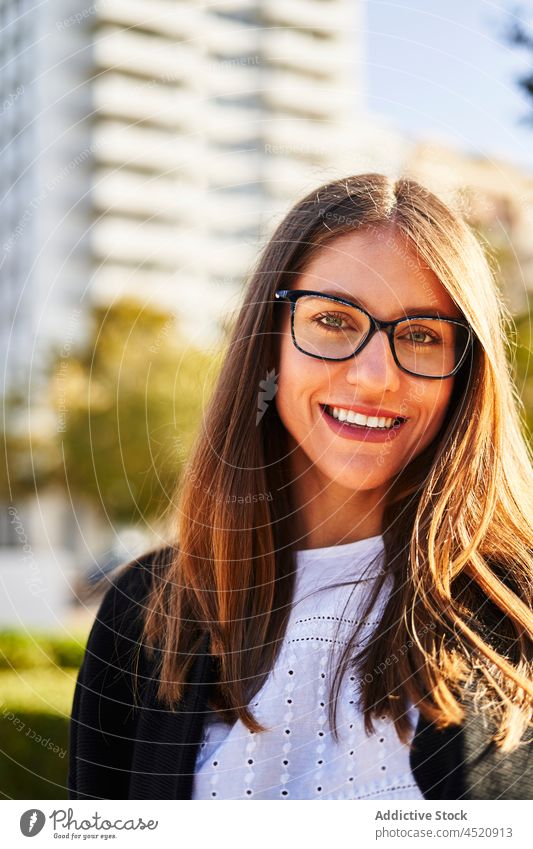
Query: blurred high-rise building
{"points": [[208, 120], [150, 145], [45, 162]]}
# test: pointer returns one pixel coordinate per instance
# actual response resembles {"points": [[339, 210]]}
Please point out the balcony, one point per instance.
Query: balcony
{"points": [[137, 100]]}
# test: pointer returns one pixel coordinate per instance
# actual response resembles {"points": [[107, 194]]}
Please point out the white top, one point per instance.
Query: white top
{"points": [[297, 758]]}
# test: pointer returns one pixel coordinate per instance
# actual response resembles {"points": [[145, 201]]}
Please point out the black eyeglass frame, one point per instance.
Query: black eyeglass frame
{"points": [[376, 324]]}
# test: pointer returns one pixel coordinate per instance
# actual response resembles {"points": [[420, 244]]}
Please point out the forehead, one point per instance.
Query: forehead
{"points": [[381, 270]]}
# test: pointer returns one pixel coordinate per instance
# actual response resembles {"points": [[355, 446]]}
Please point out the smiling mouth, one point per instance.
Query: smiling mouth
{"points": [[358, 420]]}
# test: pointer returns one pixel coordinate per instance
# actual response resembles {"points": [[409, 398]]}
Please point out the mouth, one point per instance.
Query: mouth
{"points": [[359, 421]]}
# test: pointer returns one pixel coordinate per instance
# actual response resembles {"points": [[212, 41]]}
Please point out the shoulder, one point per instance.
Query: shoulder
{"points": [[110, 682], [115, 638], [128, 588], [134, 577], [463, 761]]}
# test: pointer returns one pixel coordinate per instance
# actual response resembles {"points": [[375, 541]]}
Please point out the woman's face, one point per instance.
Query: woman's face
{"points": [[381, 271]]}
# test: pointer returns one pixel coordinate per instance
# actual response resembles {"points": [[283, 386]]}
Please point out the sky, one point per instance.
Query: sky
{"points": [[442, 70]]}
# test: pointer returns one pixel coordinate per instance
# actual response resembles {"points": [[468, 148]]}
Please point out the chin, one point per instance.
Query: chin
{"points": [[358, 476]]}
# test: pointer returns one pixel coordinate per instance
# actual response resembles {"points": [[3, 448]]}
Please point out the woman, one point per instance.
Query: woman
{"points": [[345, 611]]}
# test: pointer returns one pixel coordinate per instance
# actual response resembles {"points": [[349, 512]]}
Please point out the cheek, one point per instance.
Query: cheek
{"points": [[435, 403], [283, 362], [299, 382], [291, 379]]}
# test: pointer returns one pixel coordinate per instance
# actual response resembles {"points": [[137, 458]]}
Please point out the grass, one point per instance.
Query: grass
{"points": [[48, 690], [37, 679]]}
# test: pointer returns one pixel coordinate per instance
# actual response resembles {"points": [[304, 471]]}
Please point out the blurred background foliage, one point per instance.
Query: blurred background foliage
{"points": [[523, 372], [126, 408], [37, 679], [133, 398]]}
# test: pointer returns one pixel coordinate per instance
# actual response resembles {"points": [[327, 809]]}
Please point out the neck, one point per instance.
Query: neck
{"points": [[327, 513]]}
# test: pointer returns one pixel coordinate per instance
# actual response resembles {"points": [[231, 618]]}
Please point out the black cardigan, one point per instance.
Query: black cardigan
{"points": [[124, 748]]}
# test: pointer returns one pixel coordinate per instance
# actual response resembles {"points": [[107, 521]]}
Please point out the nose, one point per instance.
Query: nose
{"points": [[374, 366]]}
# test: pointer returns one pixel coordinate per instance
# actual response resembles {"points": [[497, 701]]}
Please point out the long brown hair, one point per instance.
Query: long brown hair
{"points": [[458, 521]]}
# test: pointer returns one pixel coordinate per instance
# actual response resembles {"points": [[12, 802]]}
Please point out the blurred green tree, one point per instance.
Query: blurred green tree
{"points": [[523, 362], [506, 267], [128, 405]]}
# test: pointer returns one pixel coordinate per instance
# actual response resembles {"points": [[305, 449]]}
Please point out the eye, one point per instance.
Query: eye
{"points": [[333, 320], [420, 336]]}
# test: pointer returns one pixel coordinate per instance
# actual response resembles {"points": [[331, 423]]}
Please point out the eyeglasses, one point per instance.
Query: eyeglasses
{"points": [[422, 345]]}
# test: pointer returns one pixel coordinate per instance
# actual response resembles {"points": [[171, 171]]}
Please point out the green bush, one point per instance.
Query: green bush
{"points": [[46, 690], [34, 754], [68, 652]]}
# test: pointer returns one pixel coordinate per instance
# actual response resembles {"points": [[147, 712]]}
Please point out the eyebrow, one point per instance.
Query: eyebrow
{"points": [[358, 303]]}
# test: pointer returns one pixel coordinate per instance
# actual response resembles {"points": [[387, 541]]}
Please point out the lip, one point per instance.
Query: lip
{"points": [[360, 432], [368, 411]]}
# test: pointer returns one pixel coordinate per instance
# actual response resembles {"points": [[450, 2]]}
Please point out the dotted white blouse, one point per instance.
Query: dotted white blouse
{"points": [[297, 757]]}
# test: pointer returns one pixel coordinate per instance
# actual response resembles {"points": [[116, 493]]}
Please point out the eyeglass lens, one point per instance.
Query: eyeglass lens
{"points": [[431, 347]]}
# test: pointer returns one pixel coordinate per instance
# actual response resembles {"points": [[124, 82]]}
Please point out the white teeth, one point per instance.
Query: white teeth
{"points": [[358, 418]]}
